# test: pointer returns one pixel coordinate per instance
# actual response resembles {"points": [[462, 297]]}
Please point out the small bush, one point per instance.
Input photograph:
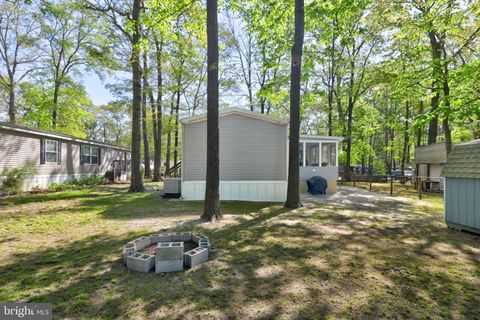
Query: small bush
{"points": [[90, 181], [12, 180]]}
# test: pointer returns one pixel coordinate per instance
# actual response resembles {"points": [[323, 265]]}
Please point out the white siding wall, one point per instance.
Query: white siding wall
{"points": [[253, 159], [250, 150], [269, 191]]}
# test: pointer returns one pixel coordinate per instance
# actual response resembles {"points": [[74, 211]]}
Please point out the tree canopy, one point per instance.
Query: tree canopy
{"points": [[385, 75]]}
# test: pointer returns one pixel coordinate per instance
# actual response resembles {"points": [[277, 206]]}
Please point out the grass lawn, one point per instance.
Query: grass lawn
{"points": [[373, 257]]}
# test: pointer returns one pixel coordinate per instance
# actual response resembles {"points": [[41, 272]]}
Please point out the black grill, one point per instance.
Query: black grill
{"points": [[317, 185]]}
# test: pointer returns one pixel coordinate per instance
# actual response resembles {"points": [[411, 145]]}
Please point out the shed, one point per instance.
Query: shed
{"points": [[462, 187], [253, 156]]}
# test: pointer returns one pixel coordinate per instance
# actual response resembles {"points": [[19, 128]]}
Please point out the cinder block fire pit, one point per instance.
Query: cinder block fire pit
{"points": [[166, 252]]}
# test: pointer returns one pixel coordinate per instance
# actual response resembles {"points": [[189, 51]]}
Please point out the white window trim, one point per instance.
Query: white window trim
{"points": [[305, 153], [320, 143], [336, 154], [56, 152], [90, 156]]}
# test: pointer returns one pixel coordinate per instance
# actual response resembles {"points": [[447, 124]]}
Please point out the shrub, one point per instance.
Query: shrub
{"points": [[90, 181], [13, 179]]}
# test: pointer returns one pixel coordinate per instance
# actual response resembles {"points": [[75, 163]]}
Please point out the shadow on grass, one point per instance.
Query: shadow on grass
{"points": [[55, 196], [86, 278], [380, 261]]}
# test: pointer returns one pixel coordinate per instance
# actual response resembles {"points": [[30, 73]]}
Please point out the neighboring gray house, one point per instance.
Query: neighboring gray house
{"points": [[462, 187], [59, 157], [253, 157], [429, 161]]}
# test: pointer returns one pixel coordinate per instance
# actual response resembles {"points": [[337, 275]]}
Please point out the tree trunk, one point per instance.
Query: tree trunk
{"points": [[387, 142], [436, 51], [55, 104], [392, 154], [419, 131], [406, 138], [446, 98], [157, 157], [373, 141], [175, 145], [293, 194], [348, 162], [169, 135], [331, 85], [136, 181], [11, 101], [146, 148], [211, 210]]}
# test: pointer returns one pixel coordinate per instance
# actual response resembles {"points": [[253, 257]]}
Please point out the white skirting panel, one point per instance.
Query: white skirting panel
{"points": [[261, 191], [45, 181]]}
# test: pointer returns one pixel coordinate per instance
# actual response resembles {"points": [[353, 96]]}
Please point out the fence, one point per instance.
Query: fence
{"points": [[420, 185]]}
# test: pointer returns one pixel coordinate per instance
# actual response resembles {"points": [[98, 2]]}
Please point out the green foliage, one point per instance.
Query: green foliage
{"points": [[85, 182], [73, 107], [13, 180]]}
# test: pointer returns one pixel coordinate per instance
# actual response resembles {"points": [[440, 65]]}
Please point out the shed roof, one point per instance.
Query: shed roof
{"points": [[54, 135], [243, 112], [463, 161]]}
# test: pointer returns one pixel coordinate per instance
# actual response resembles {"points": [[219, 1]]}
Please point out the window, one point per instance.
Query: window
{"points": [[329, 155], [90, 155], [300, 154], [51, 151], [312, 154]]}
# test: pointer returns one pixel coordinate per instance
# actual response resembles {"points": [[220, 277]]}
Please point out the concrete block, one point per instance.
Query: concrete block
{"points": [[141, 243], [181, 236], [195, 257], [205, 244], [187, 236], [161, 237], [196, 237], [128, 250], [140, 262], [169, 251], [168, 265]]}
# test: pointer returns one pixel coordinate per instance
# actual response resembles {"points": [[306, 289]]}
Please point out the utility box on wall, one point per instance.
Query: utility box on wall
{"points": [[173, 185]]}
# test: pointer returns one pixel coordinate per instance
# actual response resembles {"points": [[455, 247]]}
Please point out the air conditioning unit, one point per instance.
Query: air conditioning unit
{"points": [[173, 186]]}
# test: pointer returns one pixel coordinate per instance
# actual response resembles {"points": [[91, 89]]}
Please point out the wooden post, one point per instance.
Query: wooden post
{"points": [[370, 183], [354, 180], [391, 185]]}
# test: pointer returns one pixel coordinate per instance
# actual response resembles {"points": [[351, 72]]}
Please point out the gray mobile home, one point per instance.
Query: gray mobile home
{"points": [[59, 157], [462, 187], [253, 157]]}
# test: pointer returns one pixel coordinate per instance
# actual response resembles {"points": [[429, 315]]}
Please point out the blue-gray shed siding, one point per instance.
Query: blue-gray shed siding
{"points": [[462, 203]]}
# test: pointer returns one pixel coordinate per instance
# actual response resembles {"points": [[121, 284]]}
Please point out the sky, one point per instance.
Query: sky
{"points": [[96, 88]]}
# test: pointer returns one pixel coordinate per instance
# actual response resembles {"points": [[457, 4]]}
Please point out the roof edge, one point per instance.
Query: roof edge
{"points": [[244, 112], [317, 137], [36, 132]]}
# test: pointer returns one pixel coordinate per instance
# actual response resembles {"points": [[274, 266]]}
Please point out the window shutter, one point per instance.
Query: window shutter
{"points": [[81, 154], [42, 151], [59, 153], [99, 156]]}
